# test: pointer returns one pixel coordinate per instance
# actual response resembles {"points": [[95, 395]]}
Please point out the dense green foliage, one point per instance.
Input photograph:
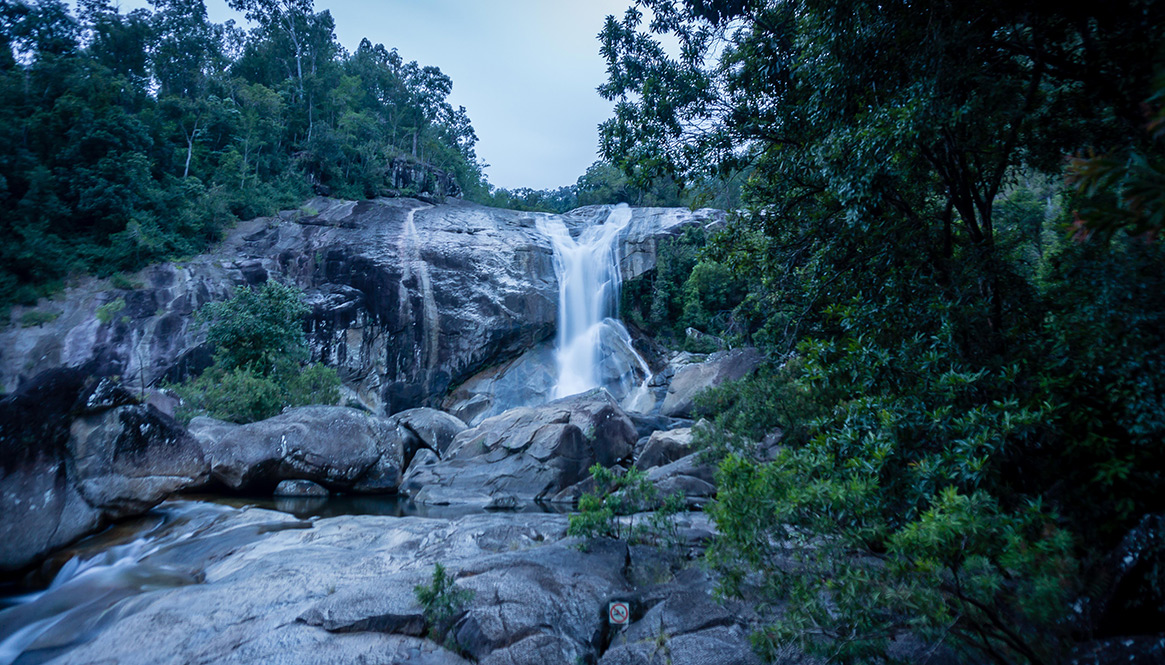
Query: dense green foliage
{"points": [[603, 183], [969, 392], [260, 351], [127, 138], [684, 292]]}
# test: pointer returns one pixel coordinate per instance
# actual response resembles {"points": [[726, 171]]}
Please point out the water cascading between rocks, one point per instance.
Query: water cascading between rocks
{"points": [[593, 348]]}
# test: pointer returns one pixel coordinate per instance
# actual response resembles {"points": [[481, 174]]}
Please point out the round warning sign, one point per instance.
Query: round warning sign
{"points": [[618, 613]]}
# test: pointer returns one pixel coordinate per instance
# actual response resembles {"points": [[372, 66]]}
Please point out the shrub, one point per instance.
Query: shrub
{"points": [[443, 602], [258, 371], [108, 312], [624, 495], [37, 317]]}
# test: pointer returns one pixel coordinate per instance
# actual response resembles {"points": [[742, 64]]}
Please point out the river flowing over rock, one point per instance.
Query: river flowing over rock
{"points": [[207, 583], [417, 305], [409, 298]]}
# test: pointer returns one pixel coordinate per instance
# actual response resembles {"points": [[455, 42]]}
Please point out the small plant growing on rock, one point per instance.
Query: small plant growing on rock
{"points": [[443, 601], [618, 495], [36, 317], [108, 312]]}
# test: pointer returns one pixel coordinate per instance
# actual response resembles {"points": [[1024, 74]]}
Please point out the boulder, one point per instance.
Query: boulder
{"points": [[664, 447], [341, 448], [526, 454], [691, 379], [427, 428], [688, 476], [77, 453], [300, 489]]}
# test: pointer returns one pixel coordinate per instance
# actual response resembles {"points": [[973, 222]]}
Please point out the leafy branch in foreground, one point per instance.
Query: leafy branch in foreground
{"points": [[622, 495]]}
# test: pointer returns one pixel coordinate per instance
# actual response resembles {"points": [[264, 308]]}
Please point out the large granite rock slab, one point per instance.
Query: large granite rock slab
{"points": [[427, 428], [692, 379], [526, 454], [77, 453], [409, 298], [341, 448]]}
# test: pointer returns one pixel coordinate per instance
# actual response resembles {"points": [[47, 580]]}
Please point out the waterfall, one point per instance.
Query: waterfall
{"points": [[593, 347]]}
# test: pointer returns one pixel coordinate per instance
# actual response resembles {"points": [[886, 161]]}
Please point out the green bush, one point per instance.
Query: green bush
{"points": [[121, 282], [443, 602], [258, 369], [108, 312], [892, 508], [624, 495], [257, 327], [37, 317]]}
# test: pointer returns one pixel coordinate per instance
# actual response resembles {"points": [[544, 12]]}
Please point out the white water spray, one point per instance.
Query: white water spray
{"points": [[588, 301]]}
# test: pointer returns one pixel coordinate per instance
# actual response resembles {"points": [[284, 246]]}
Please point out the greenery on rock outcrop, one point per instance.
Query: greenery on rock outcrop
{"points": [[965, 327], [610, 511], [259, 363], [443, 602]]}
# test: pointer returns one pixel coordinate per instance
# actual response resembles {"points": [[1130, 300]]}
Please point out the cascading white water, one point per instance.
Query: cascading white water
{"points": [[588, 301]]}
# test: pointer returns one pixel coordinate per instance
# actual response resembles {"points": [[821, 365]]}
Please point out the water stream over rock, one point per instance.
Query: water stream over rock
{"points": [[590, 336]]}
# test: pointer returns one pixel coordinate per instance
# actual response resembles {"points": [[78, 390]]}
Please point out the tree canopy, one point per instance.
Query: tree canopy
{"points": [[127, 138], [962, 338]]}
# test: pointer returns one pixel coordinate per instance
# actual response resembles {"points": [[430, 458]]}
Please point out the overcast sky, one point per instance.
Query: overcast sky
{"points": [[525, 70]]}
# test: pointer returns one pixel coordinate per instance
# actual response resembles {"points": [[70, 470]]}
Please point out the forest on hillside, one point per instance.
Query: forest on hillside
{"points": [[130, 138], [949, 246]]}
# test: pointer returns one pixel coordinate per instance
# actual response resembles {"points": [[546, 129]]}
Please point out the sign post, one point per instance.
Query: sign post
{"points": [[618, 613]]}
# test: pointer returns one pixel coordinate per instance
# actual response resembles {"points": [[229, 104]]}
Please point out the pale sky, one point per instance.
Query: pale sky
{"points": [[525, 71]]}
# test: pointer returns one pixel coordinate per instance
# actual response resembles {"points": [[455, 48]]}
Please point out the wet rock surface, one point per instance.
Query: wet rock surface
{"points": [[252, 585], [409, 298], [76, 453]]}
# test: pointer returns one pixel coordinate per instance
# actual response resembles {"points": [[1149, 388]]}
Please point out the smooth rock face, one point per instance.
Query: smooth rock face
{"points": [[229, 585], [664, 447], [526, 454], [409, 299], [254, 586], [341, 448], [692, 379], [527, 380], [76, 453]]}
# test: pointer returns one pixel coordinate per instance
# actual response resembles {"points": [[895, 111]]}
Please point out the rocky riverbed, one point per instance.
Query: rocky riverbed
{"points": [[199, 582]]}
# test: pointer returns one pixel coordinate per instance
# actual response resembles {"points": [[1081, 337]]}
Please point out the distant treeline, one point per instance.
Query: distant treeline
{"points": [[128, 138], [606, 183]]}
